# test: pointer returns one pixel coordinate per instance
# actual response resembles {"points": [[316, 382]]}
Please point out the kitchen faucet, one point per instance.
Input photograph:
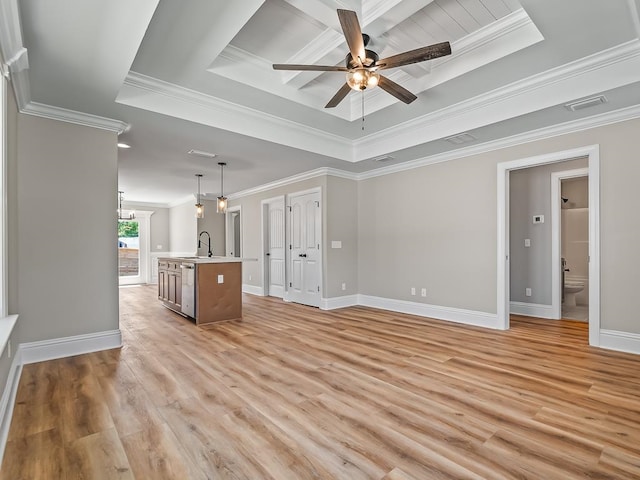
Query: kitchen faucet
{"points": [[210, 253]]}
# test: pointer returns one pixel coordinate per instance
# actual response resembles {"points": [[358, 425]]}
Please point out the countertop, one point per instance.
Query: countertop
{"points": [[213, 259]]}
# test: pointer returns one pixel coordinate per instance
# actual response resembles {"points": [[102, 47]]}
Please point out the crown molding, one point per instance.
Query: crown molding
{"points": [[72, 116], [601, 120], [318, 172], [163, 97], [605, 70]]}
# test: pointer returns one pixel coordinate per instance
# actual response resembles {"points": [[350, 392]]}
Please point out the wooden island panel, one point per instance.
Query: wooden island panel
{"points": [[216, 302]]}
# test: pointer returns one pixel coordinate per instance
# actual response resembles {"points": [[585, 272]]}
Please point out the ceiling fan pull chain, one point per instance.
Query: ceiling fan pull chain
{"points": [[362, 109]]}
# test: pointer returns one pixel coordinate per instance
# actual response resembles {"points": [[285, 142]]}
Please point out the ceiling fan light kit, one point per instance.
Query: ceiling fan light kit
{"points": [[362, 66]]}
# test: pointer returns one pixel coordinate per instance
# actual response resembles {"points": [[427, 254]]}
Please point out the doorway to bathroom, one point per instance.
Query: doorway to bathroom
{"points": [[570, 249], [506, 246]]}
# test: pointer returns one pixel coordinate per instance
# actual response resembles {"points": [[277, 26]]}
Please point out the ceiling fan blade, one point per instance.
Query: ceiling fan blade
{"points": [[415, 56], [315, 68], [353, 33], [396, 90], [339, 96]]}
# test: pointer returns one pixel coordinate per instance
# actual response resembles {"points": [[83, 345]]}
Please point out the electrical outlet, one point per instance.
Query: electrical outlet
{"points": [[527, 292], [344, 286], [527, 242], [220, 278], [423, 292], [413, 290]]}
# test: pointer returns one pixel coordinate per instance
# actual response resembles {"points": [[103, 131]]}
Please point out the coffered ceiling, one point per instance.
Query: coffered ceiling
{"points": [[196, 74]]}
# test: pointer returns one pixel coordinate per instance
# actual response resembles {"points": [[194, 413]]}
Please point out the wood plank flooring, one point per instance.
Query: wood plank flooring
{"points": [[291, 392]]}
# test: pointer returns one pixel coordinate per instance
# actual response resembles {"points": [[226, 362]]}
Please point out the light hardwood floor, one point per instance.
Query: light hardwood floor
{"points": [[291, 392]]}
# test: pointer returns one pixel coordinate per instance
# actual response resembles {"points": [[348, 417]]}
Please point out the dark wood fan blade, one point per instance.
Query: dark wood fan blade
{"points": [[415, 56], [315, 68], [353, 33], [338, 97], [396, 90]]}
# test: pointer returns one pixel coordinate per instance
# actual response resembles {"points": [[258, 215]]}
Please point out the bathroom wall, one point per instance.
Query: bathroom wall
{"points": [[529, 195], [575, 233]]}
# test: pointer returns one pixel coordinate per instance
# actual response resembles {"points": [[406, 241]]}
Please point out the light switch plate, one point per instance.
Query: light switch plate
{"points": [[220, 278], [538, 219], [336, 243], [527, 242]]}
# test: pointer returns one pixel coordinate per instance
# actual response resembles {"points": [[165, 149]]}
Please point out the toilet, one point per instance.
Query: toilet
{"points": [[571, 288]]}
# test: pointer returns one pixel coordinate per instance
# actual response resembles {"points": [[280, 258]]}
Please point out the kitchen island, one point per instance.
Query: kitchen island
{"points": [[204, 289]]}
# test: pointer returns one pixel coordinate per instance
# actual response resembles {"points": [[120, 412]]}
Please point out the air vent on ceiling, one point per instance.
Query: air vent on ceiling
{"points": [[382, 158], [200, 153], [461, 138], [586, 103]]}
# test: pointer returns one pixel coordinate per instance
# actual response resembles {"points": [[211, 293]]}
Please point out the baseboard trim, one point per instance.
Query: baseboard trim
{"points": [[44, 350], [252, 290], [9, 400], [338, 302], [532, 310], [620, 341], [457, 315]]}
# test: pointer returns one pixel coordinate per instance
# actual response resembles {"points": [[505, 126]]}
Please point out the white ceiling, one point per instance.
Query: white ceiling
{"points": [[196, 74]]}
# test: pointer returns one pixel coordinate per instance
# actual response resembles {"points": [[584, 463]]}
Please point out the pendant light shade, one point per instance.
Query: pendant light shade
{"points": [[222, 200], [199, 206], [121, 215]]}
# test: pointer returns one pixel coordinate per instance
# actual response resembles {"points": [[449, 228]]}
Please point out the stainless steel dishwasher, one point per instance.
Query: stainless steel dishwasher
{"points": [[188, 289]]}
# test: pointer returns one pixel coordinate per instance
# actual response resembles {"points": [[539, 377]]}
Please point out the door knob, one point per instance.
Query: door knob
{"points": [[303, 254]]}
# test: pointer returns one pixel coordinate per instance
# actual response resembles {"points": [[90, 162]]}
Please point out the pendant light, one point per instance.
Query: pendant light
{"points": [[222, 200], [121, 216], [199, 206]]}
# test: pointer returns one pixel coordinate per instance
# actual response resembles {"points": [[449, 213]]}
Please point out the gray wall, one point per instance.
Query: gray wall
{"points": [[440, 229], [67, 271], [529, 195], [341, 211], [213, 223], [432, 227], [183, 228]]}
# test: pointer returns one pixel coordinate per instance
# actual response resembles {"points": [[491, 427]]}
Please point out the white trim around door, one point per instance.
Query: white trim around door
{"points": [[592, 152], [231, 241], [273, 245], [556, 225], [143, 217]]}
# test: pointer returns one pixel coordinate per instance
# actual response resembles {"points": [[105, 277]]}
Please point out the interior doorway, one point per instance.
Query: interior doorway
{"points": [[233, 230], [133, 249], [570, 252], [592, 153]]}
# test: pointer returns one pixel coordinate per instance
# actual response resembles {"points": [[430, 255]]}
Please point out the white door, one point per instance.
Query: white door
{"points": [[304, 246], [274, 247]]}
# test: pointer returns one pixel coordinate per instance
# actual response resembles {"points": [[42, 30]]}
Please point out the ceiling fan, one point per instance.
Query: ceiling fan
{"points": [[362, 65]]}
